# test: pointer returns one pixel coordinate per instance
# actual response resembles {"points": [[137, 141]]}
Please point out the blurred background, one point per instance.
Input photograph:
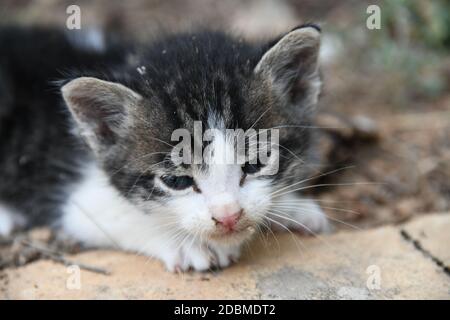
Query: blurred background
{"points": [[386, 97]]}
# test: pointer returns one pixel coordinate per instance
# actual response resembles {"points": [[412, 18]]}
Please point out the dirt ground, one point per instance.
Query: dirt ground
{"points": [[383, 125]]}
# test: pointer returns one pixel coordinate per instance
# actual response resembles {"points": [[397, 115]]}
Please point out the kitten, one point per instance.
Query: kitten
{"points": [[102, 172]]}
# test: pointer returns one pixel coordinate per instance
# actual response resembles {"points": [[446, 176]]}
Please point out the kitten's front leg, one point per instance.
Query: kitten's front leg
{"points": [[185, 255], [299, 214], [224, 255], [191, 254]]}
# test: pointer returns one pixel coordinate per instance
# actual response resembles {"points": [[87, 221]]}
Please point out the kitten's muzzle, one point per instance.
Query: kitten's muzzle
{"points": [[228, 222]]}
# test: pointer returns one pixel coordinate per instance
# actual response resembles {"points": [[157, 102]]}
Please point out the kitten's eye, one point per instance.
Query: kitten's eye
{"points": [[178, 182], [250, 168]]}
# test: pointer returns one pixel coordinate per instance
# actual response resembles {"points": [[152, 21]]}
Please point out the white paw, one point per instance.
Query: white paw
{"points": [[225, 255], [200, 257], [306, 217], [309, 222], [187, 257], [5, 227], [8, 220]]}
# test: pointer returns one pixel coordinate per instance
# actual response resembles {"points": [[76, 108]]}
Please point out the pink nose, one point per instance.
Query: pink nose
{"points": [[229, 221]]}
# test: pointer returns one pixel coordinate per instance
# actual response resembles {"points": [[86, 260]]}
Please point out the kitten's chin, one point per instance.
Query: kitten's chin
{"points": [[233, 237]]}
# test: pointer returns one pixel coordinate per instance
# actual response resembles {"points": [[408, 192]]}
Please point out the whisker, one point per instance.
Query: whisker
{"points": [[283, 216], [262, 234], [291, 152], [162, 141], [299, 206], [260, 117], [150, 194], [287, 229], [96, 223], [273, 234], [345, 223], [308, 200], [293, 126], [142, 173], [306, 211], [330, 185], [137, 159], [313, 177]]}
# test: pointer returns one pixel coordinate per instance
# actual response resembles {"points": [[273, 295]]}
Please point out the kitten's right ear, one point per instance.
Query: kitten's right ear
{"points": [[290, 66], [101, 109]]}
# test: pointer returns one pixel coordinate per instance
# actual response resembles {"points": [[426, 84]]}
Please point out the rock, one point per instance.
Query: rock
{"points": [[433, 237], [372, 264]]}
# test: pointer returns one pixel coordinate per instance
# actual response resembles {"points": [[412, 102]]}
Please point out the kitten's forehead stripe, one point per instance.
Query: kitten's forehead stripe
{"points": [[211, 73]]}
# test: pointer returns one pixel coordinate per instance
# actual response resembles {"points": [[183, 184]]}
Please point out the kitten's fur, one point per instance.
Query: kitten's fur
{"points": [[98, 171]]}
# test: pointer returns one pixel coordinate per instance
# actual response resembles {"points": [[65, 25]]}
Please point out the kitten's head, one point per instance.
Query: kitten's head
{"points": [[203, 81]]}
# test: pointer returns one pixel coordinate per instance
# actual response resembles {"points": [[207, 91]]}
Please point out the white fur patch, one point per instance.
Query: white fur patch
{"points": [[297, 213], [9, 219], [176, 232], [98, 215], [92, 39]]}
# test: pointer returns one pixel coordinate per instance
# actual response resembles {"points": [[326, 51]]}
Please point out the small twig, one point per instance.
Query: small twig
{"points": [[66, 262], [58, 257]]}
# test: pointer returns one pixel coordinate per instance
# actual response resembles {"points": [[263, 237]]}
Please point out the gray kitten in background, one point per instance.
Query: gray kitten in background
{"points": [[96, 163]]}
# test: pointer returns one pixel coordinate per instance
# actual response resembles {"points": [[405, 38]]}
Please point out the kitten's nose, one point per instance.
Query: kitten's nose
{"points": [[229, 222], [228, 219]]}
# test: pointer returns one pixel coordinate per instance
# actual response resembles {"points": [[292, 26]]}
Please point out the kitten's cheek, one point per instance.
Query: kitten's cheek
{"points": [[255, 202], [193, 217]]}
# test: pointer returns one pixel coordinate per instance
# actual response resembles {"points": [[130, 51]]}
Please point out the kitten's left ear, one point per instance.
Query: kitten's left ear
{"points": [[102, 110], [291, 66]]}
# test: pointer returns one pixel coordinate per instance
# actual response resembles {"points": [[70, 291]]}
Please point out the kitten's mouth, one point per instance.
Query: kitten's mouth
{"points": [[243, 231]]}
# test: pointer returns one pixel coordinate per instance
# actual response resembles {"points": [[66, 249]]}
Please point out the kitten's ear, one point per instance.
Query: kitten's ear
{"points": [[291, 66], [101, 109]]}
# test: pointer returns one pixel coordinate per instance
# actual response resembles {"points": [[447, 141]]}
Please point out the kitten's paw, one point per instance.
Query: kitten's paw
{"points": [[306, 218], [6, 226], [189, 257], [9, 220], [309, 222], [201, 258], [225, 255]]}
